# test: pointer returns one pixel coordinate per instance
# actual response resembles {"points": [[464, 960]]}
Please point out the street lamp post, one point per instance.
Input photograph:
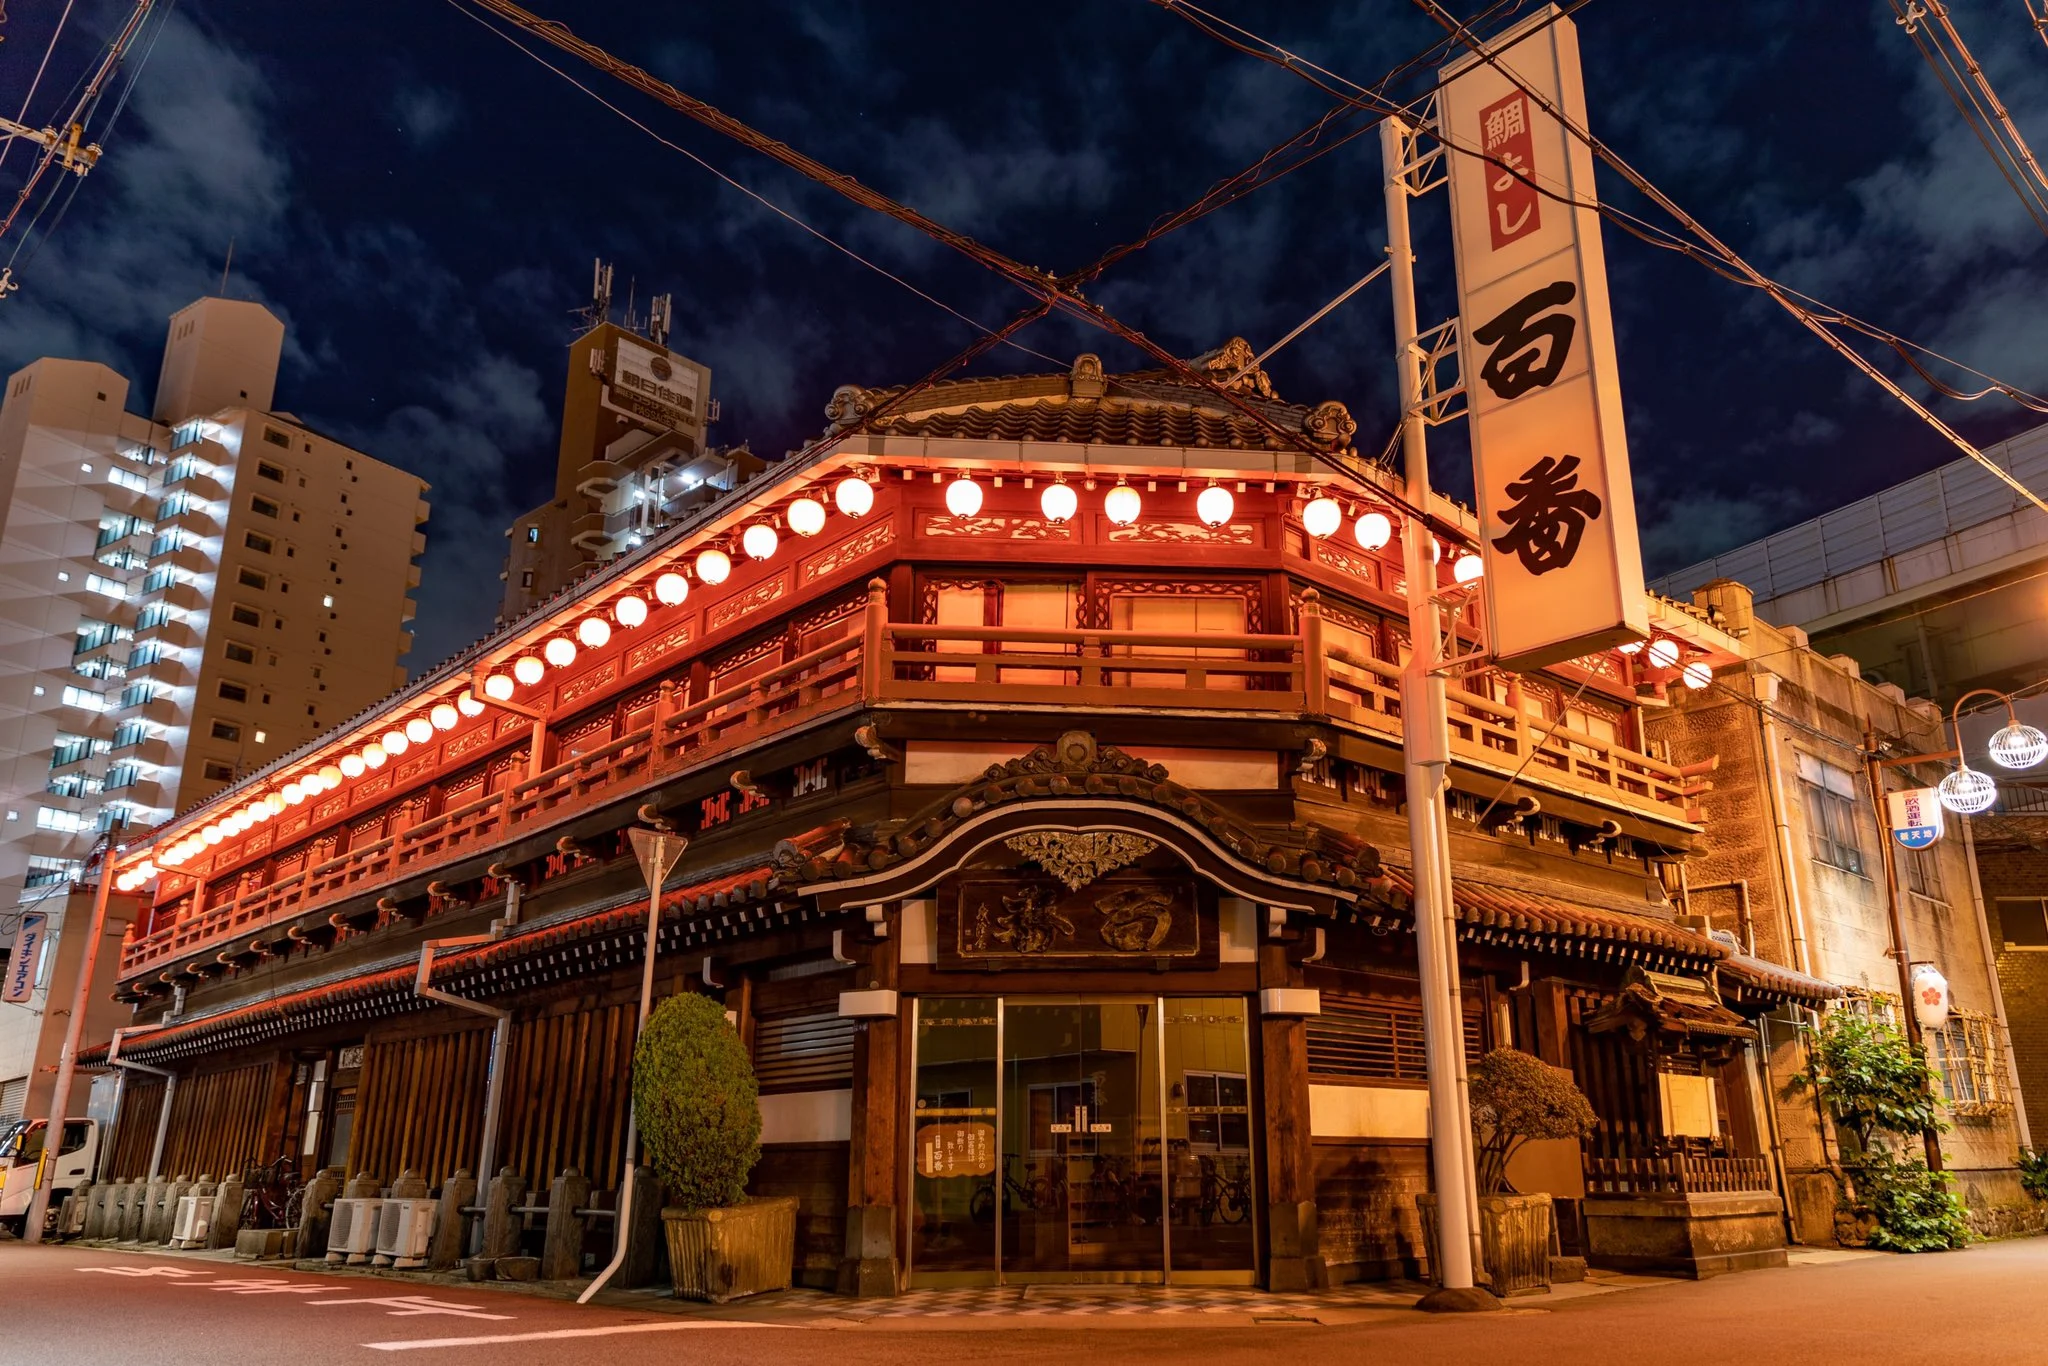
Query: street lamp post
{"points": [[1965, 791]]}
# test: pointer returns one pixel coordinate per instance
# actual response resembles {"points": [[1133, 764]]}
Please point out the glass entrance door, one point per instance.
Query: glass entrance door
{"points": [[1080, 1141], [1073, 1138]]}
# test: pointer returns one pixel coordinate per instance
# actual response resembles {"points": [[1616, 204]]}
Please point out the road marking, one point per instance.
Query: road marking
{"points": [[411, 1306], [172, 1271], [558, 1333]]}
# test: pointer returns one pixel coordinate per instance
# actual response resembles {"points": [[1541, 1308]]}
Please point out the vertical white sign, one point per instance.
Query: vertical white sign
{"points": [[1564, 573], [21, 964], [1915, 816]]}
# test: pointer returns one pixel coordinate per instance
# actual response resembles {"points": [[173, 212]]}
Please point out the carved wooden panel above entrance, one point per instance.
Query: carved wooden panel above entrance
{"points": [[1028, 919]]}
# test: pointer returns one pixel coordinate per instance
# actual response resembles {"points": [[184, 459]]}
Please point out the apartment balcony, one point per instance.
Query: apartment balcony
{"points": [[906, 669]]}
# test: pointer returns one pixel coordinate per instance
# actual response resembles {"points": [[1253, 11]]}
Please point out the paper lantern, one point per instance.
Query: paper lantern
{"points": [[963, 497], [498, 687], [560, 651], [806, 516], [419, 730], [396, 742], [468, 705], [527, 669], [374, 755], [276, 803], [1698, 674], [1122, 504], [444, 716], [1214, 505], [212, 834], [1373, 530], [671, 589], [853, 495], [1059, 502], [1930, 996], [1322, 517], [758, 541], [1663, 652], [352, 766], [630, 611], [1468, 568], [330, 776], [714, 566], [593, 631]]}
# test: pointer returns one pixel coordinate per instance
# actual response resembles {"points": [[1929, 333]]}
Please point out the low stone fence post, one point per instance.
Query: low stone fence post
{"points": [[561, 1257]]}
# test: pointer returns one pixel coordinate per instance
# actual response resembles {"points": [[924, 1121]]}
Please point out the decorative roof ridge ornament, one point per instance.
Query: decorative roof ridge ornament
{"points": [[849, 404], [1329, 426], [1086, 380], [1079, 857], [1234, 365]]}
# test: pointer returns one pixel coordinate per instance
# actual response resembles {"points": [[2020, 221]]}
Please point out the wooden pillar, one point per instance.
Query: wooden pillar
{"points": [[1553, 1022], [872, 1265], [1293, 1243]]}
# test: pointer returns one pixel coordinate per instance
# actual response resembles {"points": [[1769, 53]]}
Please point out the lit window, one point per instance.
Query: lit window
{"points": [[533, 535], [261, 737], [87, 467], [63, 577], [113, 588], [327, 600], [80, 697]]}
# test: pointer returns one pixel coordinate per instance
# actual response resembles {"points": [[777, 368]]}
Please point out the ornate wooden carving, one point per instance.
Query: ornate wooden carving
{"points": [[849, 551], [1018, 919]]}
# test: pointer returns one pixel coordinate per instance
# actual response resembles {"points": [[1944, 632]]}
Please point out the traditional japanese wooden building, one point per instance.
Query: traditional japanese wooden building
{"points": [[1046, 847]]}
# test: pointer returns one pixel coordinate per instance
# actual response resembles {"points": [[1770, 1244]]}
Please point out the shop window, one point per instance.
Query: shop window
{"points": [[1218, 1108], [1833, 813]]}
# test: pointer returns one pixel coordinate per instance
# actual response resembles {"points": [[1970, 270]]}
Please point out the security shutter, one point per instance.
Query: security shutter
{"points": [[804, 1052], [1374, 1040], [13, 1096]]}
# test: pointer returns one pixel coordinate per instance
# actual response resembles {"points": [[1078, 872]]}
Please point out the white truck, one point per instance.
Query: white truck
{"points": [[23, 1163]]}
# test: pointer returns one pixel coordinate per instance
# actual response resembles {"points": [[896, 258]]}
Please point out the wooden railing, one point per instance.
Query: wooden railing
{"points": [[897, 664], [1676, 1174]]}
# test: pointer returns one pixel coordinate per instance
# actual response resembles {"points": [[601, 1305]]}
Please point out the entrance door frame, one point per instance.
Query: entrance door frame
{"points": [[997, 1275]]}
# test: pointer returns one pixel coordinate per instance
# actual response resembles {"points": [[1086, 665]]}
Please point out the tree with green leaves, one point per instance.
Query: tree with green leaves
{"points": [[696, 1103]]}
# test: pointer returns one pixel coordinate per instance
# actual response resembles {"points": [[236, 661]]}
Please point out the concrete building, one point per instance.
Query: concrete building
{"points": [[182, 598], [1939, 585], [633, 459]]}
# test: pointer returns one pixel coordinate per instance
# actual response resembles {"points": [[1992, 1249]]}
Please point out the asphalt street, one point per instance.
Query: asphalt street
{"points": [[66, 1306]]}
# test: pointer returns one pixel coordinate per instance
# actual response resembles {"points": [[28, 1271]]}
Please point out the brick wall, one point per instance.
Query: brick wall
{"points": [[2012, 860]]}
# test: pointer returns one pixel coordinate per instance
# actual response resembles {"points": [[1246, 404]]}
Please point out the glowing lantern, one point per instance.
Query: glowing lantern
{"points": [[527, 669], [671, 589], [1122, 504], [1058, 502], [211, 834], [1373, 530], [1930, 996], [498, 687], [631, 611], [444, 716], [1966, 791], [276, 803], [294, 794], [1214, 505], [419, 730], [395, 742], [1698, 674], [853, 496], [1663, 652], [1322, 517], [560, 651], [714, 566], [2018, 746], [330, 777], [1468, 568], [468, 705], [593, 631], [758, 541], [352, 766], [374, 755], [963, 497], [806, 516]]}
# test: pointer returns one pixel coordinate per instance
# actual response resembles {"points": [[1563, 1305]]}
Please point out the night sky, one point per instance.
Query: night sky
{"points": [[421, 203]]}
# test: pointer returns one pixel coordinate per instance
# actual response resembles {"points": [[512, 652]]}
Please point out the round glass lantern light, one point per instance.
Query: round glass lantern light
{"points": [[759, 541], [1059, 502], [2018, 745], [1373, 530], [1321, 517], [1214, 505], [714, 566], [854, 496], [671, 589], [593, 631], [1122, 505], [963, 497], [807, 516], [1966, 791]]}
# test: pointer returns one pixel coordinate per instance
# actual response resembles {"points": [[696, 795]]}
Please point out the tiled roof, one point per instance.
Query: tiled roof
{"points": [[1760, 980], [1493, 914]]}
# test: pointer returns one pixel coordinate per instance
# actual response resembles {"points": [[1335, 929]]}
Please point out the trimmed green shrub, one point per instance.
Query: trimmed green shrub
{"points": [[696, 1103], [1917, 1210], [1517, 1097], [2033, 1165], [1871, 1077]]}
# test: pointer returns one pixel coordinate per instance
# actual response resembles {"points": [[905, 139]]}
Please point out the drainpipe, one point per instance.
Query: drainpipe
{"points": [[163, 1114], [2012, 1070], [501, 1032], [1788, 859]]}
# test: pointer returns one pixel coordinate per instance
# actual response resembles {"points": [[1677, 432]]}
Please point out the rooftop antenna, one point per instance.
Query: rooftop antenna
{"points": [[599, 309], [659, 319], [629, 322], [227, 266]]}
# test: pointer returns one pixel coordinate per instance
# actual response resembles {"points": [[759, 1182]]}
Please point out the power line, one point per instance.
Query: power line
{"points": [[33, 85], [1980, 106]]}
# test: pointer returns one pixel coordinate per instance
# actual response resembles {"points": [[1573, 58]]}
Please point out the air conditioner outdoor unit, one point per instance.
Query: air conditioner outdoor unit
{"points": [[405, 1232], [195, 1217], [352, 1235]]}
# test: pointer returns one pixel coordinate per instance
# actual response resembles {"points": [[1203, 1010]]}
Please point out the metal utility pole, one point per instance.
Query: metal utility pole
{"points": [[60, 1098], [1425, 755], [1874, 766]]}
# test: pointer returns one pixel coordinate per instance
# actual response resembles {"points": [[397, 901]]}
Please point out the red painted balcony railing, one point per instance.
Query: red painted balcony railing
{"points": [[900, 665]]}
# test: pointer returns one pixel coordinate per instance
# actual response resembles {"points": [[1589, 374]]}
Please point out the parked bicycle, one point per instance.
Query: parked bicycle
{"points": [[272, 1195]]}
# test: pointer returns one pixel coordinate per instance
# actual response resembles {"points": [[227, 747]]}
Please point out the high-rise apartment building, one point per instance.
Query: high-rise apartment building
{"points": [[633, 458], [181, 599]]}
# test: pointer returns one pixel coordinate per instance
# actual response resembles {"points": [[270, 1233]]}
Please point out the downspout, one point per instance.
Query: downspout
{"points": [[501, 1032], [163, 1113], [2012, 1069]]}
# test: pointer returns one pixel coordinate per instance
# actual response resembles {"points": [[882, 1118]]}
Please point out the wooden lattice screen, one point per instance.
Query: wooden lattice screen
{"points": [[420, 1104], [216, 1124]]}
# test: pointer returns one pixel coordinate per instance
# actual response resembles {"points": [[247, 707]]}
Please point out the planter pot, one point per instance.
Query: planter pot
{"points": [[723, 1254], [1514, 1236]]}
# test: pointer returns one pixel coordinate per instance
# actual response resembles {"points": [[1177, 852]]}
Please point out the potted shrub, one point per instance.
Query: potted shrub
{"points": [[1516, 1098], [698, 1112]]}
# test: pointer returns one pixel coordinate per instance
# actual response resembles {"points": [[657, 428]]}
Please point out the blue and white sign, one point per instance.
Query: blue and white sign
{"points": [[21, 964], [1915, 817]]}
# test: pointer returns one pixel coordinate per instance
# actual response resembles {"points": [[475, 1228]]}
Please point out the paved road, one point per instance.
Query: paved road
{"points": [[79, 1307]]}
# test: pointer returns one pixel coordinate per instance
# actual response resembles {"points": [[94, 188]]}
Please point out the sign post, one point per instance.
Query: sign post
{"points": [[1564, 573]]}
